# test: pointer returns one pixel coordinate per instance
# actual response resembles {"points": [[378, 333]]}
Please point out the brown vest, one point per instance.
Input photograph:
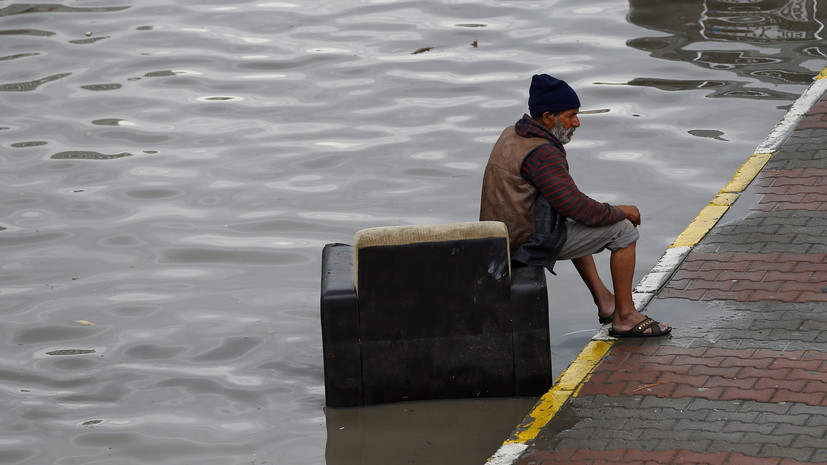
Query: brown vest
{"points": [[506, 196]]}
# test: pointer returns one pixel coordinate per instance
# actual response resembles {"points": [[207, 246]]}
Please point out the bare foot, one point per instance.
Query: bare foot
{"points": [[605, 308]]}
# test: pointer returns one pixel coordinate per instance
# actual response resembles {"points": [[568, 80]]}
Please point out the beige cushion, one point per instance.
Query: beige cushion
{"points": [[402, 235]]}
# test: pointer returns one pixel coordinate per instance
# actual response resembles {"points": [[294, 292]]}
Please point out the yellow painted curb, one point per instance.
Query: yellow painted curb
{"points": [[566, 386], [709, 216], [747, 172], [822, 74], [701, 225]]}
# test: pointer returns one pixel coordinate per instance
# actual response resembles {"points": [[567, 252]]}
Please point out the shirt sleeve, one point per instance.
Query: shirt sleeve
{"points": [[547, 169]]}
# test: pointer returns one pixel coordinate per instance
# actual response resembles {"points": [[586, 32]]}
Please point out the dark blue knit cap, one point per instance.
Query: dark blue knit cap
{"points": [[550, 94]]}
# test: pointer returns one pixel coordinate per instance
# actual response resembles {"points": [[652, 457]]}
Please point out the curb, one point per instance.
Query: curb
{"points": [[570, 381]]}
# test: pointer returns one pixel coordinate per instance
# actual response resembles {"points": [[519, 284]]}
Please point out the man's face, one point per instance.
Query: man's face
{"points": [[563, 125]]}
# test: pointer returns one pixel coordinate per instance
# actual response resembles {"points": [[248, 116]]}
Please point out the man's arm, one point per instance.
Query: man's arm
{"points": [[546, 168]]}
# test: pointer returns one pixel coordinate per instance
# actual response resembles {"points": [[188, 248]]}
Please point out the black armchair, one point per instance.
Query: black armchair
{"points": [[432, 312]]}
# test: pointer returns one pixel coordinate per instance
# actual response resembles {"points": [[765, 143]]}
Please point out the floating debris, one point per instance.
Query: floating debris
{"points": [[112, 86], [87, 41], [84, 155], [474, 44], [71, 352], [162, 73], [422, 50], [648, 386], [33, 143], [108, 122], [85, 322], [91, 423]]}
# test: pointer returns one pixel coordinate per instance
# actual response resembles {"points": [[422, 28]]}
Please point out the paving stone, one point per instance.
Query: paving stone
{"points": [[802, 454], [819, 455]]}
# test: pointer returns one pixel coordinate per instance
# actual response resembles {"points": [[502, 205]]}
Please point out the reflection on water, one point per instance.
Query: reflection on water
{"points": [[465, 431], [743, 36], [762, 21], [171, 171]]}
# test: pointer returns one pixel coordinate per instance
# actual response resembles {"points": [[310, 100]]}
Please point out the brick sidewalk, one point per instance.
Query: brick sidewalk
{"points": [[747, 385]]}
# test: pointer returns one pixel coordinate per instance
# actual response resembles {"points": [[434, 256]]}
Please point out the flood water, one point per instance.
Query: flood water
{"points": [[172, 170]]}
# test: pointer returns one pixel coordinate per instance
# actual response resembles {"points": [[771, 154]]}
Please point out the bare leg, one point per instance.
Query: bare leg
{"points": [[622, 264], [603, 298]]}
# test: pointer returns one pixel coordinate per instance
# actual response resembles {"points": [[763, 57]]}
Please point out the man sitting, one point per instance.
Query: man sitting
{"points": [[528, 187]]}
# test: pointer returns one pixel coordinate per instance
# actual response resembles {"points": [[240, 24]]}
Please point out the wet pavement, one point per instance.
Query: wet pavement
{"points": [[743, 377]]}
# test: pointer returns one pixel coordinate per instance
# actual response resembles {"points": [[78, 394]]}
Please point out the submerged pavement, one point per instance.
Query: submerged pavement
{"points": [[743, 377]]}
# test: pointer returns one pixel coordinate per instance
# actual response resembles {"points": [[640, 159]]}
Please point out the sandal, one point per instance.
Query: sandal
{"points": [[606, 319], [638, 330]]}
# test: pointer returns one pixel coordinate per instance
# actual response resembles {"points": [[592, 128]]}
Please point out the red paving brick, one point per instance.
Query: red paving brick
{"points": [[784, 277], [711, 373]]}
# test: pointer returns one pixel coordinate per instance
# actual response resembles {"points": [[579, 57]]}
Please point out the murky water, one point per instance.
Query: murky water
{"points": [[171, 171]]}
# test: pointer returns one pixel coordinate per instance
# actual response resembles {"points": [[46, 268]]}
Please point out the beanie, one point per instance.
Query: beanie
{"points": [[550, 94]]}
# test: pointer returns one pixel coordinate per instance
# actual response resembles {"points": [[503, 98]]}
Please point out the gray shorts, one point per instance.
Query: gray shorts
{"points": [[585, 240]]}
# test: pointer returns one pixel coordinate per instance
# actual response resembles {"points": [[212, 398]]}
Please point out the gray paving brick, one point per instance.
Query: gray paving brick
{"points": [[771, 247], [770, 324], [676, 435], [791, 220], [675, 405], [806, 336], [721, 415], [802, 454], [784, 419], [700, 424], [812, 324], [808, 433], [748, 427], [778, 410], [782, 440], [819, 454], [818, 248], [818, 415]]}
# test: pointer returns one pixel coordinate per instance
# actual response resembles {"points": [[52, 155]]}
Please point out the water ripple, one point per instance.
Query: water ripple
{"points": [[29, 86]]}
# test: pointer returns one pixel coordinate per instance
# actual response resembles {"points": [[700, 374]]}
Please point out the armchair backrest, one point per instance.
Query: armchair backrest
{"points": [[400, 236], [427, 293]]}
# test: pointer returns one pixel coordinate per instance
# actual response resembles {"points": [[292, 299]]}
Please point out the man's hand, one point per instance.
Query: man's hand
{"points": [[632, 213]]}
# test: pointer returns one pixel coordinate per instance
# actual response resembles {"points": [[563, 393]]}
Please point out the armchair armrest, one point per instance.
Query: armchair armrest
{"points": [[340, 327], [532, 342]]}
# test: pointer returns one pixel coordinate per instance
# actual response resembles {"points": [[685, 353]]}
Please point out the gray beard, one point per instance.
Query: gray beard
{"points": [[563, 135]]}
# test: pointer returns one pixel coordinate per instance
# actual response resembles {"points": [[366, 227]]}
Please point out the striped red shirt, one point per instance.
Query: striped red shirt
{"points": [[547, 169]]}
